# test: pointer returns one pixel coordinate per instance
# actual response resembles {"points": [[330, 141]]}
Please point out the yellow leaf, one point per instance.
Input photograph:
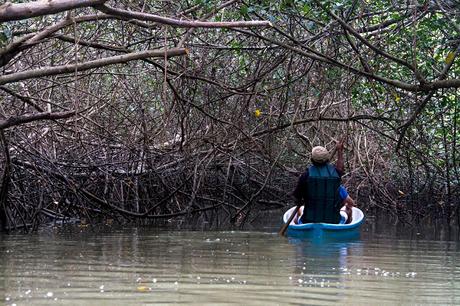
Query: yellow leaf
{"points": [[257, 113], [143, 289], [450, 57], [397, 97]]}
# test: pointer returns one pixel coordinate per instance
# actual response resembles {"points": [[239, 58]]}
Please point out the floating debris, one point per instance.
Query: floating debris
{"points": [[144, 289]]}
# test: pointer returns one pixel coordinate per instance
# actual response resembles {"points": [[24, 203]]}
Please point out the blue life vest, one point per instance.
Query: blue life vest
{"points": [[323, 200]]}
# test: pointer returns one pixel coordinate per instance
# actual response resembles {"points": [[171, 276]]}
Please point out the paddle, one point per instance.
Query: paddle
{"points": [[285, 226]]}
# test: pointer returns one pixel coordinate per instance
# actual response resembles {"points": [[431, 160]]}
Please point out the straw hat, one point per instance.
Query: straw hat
{"points": [[319, 155]]}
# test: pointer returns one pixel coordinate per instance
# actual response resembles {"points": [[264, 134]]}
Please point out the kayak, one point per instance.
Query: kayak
{"points": [[326, 230]]}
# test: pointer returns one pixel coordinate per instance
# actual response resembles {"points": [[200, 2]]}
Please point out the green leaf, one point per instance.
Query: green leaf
{"points": [[3, 37], [235, 45], [306, 9], [244, 10]]}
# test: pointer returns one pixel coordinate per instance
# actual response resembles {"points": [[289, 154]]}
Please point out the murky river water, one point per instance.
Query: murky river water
{"points": [[139, 266]]}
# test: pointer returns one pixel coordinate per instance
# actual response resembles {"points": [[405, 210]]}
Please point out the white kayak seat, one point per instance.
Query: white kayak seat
{"points": [[357, 217], [343, 217]]}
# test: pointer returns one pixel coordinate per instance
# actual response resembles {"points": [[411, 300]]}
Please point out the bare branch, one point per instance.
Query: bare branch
{"points": [[181, 23], [10, 11], [13, 121], [356, 118], [48, 71], [365, 41], [25, 99], [441, 83], [315, 55], [91, 44], [29, 40]]}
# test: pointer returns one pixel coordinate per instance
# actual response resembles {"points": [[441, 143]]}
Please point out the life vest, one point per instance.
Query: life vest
{"points": [[322, 201]]}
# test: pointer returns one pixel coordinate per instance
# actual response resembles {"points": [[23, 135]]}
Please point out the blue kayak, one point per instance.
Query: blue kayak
{"points": [[326, 230]]}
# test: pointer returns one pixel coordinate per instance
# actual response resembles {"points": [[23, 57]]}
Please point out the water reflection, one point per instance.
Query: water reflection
{"points": [[324, 263], [334, 253]]}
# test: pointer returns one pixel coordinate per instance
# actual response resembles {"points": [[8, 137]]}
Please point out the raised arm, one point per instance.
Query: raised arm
{"points": [[340, 166]]}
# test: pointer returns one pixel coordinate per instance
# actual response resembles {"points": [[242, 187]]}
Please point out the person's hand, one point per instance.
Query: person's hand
{"points": [[349, 202]]}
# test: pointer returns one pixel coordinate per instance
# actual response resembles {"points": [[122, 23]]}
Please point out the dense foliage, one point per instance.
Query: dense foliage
{"points": [[159, 109]]}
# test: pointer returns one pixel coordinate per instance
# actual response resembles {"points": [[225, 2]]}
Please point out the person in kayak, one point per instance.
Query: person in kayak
{"points": [[319, 189]]}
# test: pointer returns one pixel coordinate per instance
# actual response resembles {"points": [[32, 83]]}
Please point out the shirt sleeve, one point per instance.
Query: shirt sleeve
{"points": [[343, 193]]}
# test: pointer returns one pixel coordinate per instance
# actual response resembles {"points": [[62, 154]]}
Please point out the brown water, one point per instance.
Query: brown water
{"points": [[138, 266]]}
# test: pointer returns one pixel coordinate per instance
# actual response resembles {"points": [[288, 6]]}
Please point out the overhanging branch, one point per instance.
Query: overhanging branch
{"points": [[306, 120], [181, 23], [17, 11], [13, 121], [48, 71]]}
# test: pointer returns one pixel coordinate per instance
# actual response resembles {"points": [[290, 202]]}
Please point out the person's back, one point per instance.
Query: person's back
{"points": [[322, 195], [318, 188]]}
